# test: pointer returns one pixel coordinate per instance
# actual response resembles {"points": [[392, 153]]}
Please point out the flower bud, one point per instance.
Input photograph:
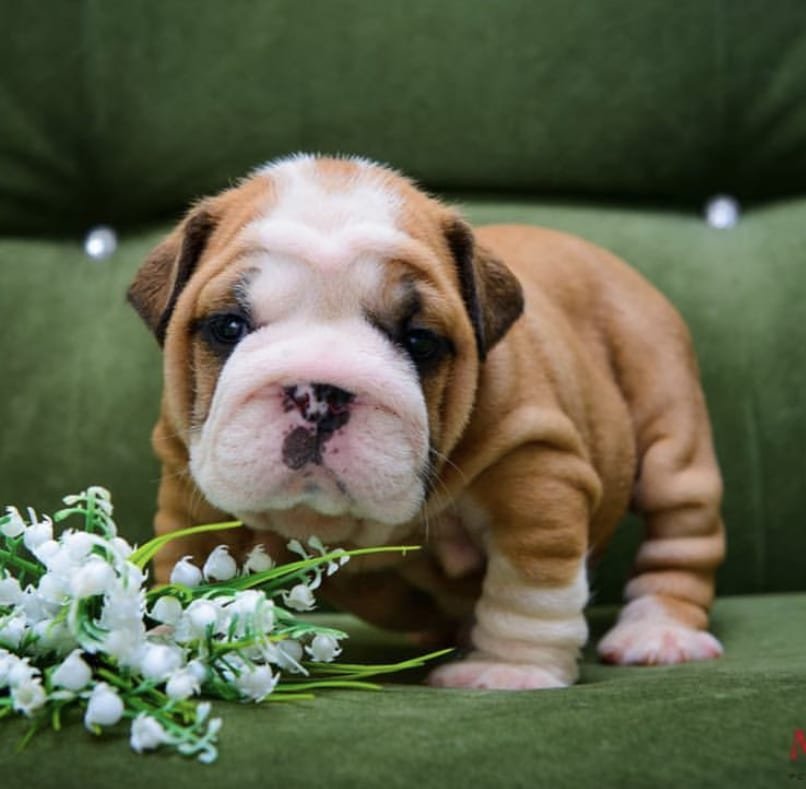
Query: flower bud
{"points": [[14, 526], [38, 533], [198, 670], [73, 673], [159, 661], [52, 588], [257, 560], [146, 734], [182, 684], [167, 610], [186, 573], [104, 707], [10, 591], [28, 696], [92, 578], [12, 630], [220, 566], [77, 544], [201, 615], [323, 648], [256, 682], [300, 598], [47, 551], [121, 547]]}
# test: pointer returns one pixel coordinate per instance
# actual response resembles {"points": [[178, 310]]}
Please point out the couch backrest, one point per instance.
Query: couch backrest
{"points": [[122, 111]]}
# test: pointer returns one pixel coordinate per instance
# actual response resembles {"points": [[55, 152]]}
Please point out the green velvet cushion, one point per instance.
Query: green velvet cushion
{"points": [[121, 111], [724, 723], [81, 376]]}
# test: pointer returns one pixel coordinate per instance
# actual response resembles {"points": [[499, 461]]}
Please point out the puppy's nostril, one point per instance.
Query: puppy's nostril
{"points": [[332, 395], [324, 405]]}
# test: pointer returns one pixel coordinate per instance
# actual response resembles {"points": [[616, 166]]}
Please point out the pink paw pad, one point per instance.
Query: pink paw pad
{"points": [[634, 643]]}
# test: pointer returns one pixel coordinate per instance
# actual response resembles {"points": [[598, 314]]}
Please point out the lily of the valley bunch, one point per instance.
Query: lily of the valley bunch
{"points": [[80, 630]]}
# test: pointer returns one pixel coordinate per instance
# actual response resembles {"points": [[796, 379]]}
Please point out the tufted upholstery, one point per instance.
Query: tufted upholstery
{"points": [[615, 120]]}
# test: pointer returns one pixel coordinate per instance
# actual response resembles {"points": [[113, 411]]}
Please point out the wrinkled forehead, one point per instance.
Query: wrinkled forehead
{"points": [[325, 235], [330, 213]]}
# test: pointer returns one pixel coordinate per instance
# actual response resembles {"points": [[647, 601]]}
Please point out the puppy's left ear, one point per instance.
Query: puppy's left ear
{"points": [[166, 271], [492, 294]]}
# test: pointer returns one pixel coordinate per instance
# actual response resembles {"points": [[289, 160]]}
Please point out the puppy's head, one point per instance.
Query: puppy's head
{"points": [[323, 325]]}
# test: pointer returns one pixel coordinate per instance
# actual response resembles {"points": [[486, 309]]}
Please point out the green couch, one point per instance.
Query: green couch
{"points": [[617, 120]]}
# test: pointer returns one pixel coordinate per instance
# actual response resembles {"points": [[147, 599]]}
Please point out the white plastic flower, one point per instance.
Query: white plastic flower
{"points": [[47, 553], [197, 669], [77, 544], [28, 696], [186, 573], [124, 605], [323, 648], [93, 577], [52, 588], [53, 636], [122, 548], [300, 598], [202, 614], [255, 682], [182, 684], [147, 733], [20, 671], [220, 566], [12, 630], [286, 655], [125, 644], [104, 707], [254, 611], [167, 610], [7, 662], [73, 672], [257, 560], [13, 525], [10, 591], [37, 532], [159, 661]]}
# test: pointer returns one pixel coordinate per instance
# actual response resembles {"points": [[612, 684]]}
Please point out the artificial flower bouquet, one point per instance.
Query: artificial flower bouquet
{"points": [[80, 629]]}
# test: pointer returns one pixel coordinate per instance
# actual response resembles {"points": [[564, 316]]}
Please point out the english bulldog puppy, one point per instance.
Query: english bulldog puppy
{"points": [[344, 356]]}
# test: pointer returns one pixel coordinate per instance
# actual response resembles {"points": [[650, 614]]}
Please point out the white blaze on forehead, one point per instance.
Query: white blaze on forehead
{"points": [[324, 238], [327, 219]]}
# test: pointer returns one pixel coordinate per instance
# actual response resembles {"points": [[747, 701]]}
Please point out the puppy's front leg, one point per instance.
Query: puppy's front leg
{"points": [[529, 621]]}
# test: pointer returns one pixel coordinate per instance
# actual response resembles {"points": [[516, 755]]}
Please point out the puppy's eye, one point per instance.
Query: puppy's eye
{"points": [[424, 346], [226, 330]]}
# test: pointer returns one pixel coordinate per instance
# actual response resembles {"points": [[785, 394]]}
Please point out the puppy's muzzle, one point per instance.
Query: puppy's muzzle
{"points": [[325, 408]]}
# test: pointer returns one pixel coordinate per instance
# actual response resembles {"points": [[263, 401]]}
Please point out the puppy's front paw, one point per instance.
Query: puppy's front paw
{"points": [[476, 672], [630, 643]]}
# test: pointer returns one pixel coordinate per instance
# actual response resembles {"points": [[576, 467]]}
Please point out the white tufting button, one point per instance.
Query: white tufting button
{"points": [[100, 242], [722, 212]]}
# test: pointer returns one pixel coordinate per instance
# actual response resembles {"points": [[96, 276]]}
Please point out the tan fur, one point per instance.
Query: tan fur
{"points": [[589, 403]]}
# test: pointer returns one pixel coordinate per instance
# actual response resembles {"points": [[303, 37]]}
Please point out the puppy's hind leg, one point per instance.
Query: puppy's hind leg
{"points": [[678, 492]]}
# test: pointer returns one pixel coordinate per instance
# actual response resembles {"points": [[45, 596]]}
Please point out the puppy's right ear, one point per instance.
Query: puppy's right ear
{"points": [[168, 268]]}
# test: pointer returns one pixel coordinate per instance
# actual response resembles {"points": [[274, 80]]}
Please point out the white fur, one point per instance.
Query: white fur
{"points": [[526, 636], [646, 634], [318, 264], [236, 457]]}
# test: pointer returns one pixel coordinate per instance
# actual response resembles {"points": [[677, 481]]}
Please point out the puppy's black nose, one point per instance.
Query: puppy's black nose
{"points": [[323, 405]]}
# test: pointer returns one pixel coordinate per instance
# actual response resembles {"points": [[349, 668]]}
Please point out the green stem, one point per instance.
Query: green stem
{"points": [[316, 684], [146, 552], [22, 564]]}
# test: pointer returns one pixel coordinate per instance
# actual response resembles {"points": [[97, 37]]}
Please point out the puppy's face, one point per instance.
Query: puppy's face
{"points": [[323, 325]]}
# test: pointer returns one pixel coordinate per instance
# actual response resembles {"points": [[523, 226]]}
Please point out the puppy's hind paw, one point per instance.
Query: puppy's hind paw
{"points": [[494, 675], [661, 643]]}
